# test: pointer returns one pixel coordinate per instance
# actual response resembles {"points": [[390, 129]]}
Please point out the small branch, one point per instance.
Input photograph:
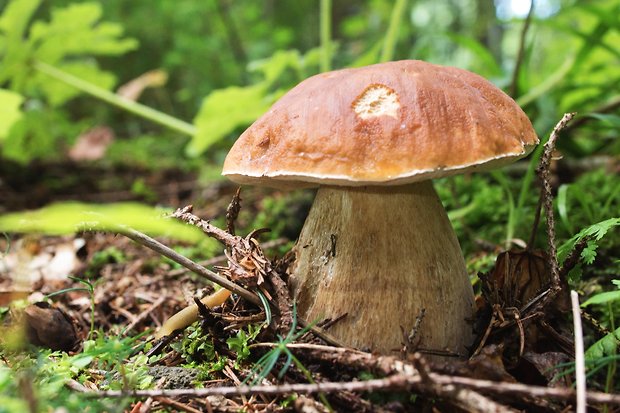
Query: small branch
{"points": [[573, 257], [543, 172], [394, 382], [514, 84], [220, 259], [547, 202], [390, 383], [185, 215], [232, 212], [168, 252]]}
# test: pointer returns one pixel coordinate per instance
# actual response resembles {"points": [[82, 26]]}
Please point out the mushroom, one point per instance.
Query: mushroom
{"points": [[377, 244]]}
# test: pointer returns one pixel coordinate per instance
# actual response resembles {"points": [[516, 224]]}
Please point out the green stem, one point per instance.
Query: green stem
{"points": [[326, 34], [389, 42], [611, 368], [500, 177], [116, 100]]}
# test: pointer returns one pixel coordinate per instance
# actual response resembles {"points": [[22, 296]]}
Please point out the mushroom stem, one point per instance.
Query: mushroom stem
{"points": [[382, 255]]}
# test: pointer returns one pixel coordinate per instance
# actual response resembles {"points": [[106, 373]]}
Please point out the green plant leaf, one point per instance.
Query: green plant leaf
{"points": [[605, 346], [11, 112], [562, 204], [69, 40], [226, 109], [15, 18], [74, 31], [13, 24], [70, 217], [602, 298], [273, 67], [606, 118], [595, 232]]}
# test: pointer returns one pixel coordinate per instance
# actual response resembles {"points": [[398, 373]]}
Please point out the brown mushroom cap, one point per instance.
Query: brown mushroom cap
{"points": [[386, 124]]}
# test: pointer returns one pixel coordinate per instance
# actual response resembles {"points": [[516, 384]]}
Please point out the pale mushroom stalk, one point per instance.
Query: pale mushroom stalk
{"points": [[382, 255], [377, 244]]}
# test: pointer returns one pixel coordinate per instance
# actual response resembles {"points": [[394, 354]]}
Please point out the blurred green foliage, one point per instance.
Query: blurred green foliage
{"points": [[228, 61], [71, 217], [69, 39]]}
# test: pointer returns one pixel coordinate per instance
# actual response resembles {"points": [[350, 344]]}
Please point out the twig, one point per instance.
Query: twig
{"points": [[220, 259], [573, 257], [514, 84], [543, 171], [232, 212], [580, 368], [547, 202], [185, 214], [467, 399], [176, 405], [168, 252], [394, 382], [246, 259]]}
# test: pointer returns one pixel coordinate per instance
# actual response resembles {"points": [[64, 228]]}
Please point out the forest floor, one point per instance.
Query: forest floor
{"points": [[100, 297]]}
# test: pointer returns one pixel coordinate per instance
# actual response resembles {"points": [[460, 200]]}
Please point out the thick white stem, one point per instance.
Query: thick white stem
{"points": [[382, 255]]}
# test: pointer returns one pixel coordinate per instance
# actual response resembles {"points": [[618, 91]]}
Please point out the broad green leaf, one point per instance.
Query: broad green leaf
{"points": [[15, 18], [69, 40], [606, 118], [562, 203], [13, 24], [38, 134], [10, 113], [602, 298], [74, 30], [71, 217], [226, 109], [604, 347]]}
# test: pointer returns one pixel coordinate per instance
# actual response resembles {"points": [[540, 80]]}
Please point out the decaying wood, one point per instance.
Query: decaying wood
{"points": [[381, 255]]}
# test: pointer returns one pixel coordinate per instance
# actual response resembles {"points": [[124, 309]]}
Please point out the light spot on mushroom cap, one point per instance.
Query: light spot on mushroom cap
{"points": [[376, 100]]}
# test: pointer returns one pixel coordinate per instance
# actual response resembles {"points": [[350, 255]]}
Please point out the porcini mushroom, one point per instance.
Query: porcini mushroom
{"points": [[377, 244]]}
